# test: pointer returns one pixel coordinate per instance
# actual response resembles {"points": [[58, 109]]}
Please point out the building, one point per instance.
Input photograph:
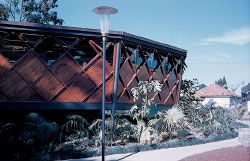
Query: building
{"points": [[59, 67], [219, 95]]}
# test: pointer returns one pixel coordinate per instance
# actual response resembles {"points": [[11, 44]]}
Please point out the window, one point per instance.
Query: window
{"points": [[166, 66], [137, 60], [152, 63], [135, 56]]}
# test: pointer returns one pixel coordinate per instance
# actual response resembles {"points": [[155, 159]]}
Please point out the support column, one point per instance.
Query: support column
{"points": [[116, 62]]}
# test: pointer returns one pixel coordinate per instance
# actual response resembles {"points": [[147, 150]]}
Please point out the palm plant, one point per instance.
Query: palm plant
{"points": [[168, 122], [75, 128], [124, 131]]}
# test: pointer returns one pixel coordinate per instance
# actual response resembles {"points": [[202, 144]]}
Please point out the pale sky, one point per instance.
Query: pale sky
{"points": [[216, 33]]}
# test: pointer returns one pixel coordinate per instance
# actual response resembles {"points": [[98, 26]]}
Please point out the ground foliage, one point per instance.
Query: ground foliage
{"points": [[186, 123]]}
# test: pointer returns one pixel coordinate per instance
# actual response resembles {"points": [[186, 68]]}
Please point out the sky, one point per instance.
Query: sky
{"points": [[216, 33]]}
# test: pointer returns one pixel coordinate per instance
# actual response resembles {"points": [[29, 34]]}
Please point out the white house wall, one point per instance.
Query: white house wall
{"points": [[223, 102]]}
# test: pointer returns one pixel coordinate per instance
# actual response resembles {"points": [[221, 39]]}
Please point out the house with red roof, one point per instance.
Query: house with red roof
{"points": [[221, 96]]}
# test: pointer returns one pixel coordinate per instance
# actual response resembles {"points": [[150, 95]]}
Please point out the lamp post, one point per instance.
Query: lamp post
{"points": [[104, 12]]}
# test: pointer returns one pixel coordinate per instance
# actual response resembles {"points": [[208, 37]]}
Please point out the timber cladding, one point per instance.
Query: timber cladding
{"points": [[43, 63]]}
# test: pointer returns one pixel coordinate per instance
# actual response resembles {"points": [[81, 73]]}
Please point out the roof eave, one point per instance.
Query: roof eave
{"points": [[27, 26]]}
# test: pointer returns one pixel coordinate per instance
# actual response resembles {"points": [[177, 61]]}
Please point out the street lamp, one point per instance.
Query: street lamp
{"points": [[104, 12]]}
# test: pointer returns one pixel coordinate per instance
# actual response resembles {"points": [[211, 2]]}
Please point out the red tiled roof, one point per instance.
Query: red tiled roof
{"points": [[214, 90]]}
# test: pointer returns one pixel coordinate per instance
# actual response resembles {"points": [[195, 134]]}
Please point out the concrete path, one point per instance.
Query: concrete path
{"points": [[237, 153], [170, 154]]}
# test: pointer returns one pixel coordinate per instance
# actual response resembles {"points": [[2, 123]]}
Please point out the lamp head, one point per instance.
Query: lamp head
{"points": [[104, 12]]}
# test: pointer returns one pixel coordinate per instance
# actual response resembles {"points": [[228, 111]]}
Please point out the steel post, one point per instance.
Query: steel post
{"points": [[104, 38], [115, 87]]}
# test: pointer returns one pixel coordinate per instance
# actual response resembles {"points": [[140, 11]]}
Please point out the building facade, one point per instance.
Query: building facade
{"points": [[44, 66]]}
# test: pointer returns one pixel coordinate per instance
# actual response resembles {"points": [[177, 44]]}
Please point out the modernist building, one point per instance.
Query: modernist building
{"points": [[44, 66]]}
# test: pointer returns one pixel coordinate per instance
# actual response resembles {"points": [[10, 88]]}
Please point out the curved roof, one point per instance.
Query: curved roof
{"points": [[66, 30], [214, 90]]}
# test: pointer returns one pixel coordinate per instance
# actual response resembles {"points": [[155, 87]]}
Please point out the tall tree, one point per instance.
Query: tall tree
{"points": [[222, 82], [245, 92], [37, 11], [3, 12], [201, 86]]}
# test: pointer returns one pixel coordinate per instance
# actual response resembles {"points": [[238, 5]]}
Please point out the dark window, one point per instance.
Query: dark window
{"points": [[166, 66], [135, 56], [152, 63]]}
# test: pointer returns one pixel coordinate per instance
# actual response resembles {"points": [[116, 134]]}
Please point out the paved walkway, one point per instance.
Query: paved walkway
{"points": [[170, 154], [238, 153]]}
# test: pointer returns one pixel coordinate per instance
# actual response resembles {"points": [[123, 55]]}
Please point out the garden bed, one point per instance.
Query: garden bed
{"points": [[77, 136], [136, 147]]}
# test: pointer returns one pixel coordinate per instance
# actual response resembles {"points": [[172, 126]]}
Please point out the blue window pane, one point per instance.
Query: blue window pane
{"points": [[166, 67], [151, 63], [138, 60]]}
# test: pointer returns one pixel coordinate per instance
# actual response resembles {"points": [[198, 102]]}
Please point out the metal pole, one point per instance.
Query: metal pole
{"points": [[115, 87], [104, 38], [181, 73]]}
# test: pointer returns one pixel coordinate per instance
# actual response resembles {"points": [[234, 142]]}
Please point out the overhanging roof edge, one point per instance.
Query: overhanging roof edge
{"points": [[94, 32]]}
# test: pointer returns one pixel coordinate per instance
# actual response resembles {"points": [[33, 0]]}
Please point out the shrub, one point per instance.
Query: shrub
{"points": [[75, 128], [141, 112], [123, 130], [169, 122], [205, 119], [238, 111], [134, 148]]}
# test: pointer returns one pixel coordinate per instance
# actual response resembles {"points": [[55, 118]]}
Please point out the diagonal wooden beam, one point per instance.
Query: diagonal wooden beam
{"points": [[95, 47]]}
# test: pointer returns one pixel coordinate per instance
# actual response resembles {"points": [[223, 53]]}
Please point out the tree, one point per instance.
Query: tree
{"points": [[245, 92], [237, 86], [3, 12], [222, 82], [202, 86], [37, 11]]}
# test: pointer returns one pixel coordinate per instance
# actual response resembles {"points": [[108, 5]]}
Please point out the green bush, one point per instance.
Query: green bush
{"points": [[123, 130]]}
